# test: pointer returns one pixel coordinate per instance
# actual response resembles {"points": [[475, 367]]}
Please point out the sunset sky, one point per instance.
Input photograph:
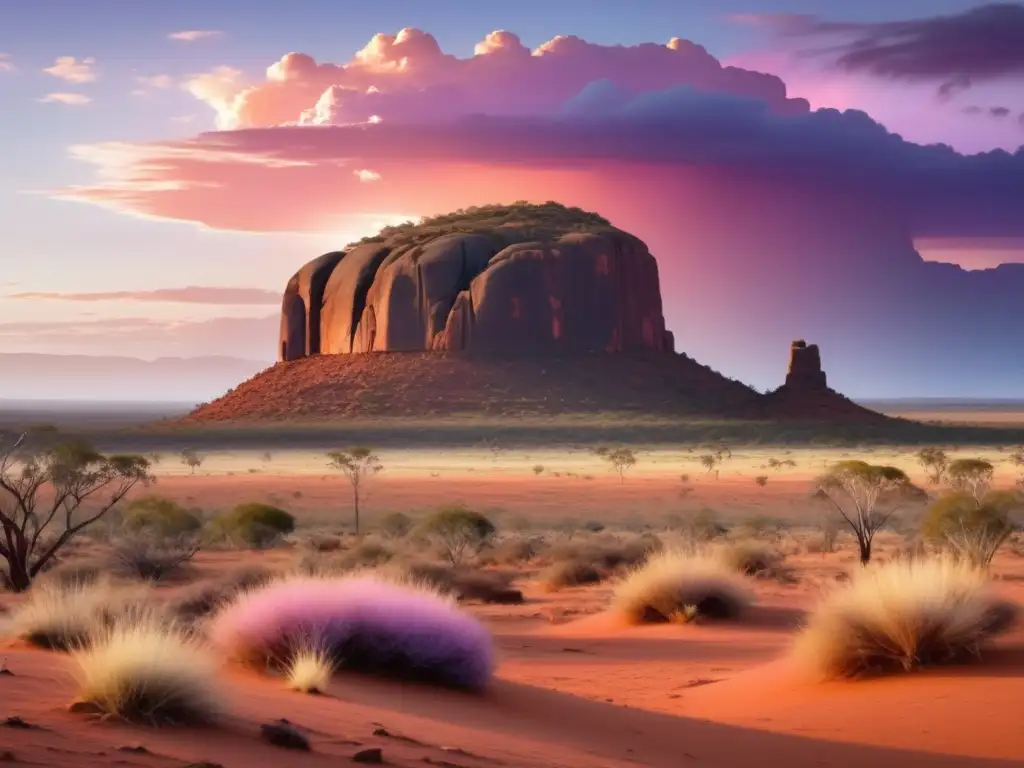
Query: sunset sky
{"points": [[168, 166]]}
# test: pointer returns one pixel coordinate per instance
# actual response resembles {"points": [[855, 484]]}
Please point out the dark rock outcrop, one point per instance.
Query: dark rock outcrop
{"points": [[805, 371], [501, 285]]}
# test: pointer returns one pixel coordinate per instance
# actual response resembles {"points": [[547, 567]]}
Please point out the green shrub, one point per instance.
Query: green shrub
{"points": [[159, 516], [458, 530], [255, 524]]}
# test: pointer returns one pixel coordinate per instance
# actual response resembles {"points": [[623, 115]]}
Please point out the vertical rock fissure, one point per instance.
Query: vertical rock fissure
{"points": [[362, 290]]}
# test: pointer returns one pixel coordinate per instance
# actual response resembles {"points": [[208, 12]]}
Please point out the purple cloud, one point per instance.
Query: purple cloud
{"points": [[983, 43]]}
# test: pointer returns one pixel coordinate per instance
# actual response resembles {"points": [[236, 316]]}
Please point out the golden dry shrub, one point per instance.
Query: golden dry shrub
{"points": [[902, 615], [680, 587]]}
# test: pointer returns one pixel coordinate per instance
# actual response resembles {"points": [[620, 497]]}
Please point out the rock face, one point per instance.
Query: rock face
{"points": [[805, 373], [498, 284]]}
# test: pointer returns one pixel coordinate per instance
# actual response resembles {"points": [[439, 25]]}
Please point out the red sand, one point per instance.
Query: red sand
{"points": [[591, 693]]}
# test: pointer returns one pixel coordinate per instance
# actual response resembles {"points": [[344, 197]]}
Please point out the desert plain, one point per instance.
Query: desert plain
{"points": [[575, 684]]}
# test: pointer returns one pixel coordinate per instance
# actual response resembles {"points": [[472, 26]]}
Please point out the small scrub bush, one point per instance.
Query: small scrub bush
{"points": [[310, 670], [570, 573], [458, 531], [62, 617], [147, 559], [145, 671], [396, 525], [902, 615], [365, 623], [160, 517], [749, 558], [255, 524], [671, 583]]}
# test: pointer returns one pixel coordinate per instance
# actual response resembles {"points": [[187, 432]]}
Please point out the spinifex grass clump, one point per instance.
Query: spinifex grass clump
{"points": [[144, 670], [365, 623], [681, 587], [903, 615], [61, 617]]}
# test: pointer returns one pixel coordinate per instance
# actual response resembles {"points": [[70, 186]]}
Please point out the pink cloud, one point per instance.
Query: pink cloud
{"points": [[189, 295], [70, 99], [6, 65], [193, 35], [407, 76], [145, 337], [72, 70]]}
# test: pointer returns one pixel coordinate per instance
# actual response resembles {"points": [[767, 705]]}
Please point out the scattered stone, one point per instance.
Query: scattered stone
{"points": [[17, 722], [384, 733], [204, 764], [5, 672], [7, 757], [85, 708], [138, 750], [373, 756], [281, 734]]}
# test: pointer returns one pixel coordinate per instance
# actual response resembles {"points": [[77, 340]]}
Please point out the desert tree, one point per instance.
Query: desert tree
{"points": [[973, 476], [50, 491], [458, 530], [973, 528], [538, 469], [619, 459], [191, 459], [866, 496], [358, 464], [935, 463], [1016, 458], [761, 480]]}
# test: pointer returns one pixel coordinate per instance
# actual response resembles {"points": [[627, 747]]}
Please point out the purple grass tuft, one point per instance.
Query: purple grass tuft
{"points": [[365, 623]]}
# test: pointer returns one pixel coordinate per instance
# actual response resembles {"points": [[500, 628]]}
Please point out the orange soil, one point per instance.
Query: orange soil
{"points": [[586, 693], [575, 688]]}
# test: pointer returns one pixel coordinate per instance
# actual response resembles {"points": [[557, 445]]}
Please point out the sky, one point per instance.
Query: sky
{"points": [[798, 167]]}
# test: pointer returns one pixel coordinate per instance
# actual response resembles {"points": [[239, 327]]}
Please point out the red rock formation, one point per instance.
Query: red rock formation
{"points": [[493, 292]]}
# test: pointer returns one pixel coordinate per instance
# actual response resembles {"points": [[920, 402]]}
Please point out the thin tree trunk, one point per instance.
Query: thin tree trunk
{"points": [[355, 501]]}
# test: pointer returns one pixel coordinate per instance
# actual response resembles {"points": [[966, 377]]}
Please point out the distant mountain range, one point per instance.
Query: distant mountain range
{"points": [[85, 377]]}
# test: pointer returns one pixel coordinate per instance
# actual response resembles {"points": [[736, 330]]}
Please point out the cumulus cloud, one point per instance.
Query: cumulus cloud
{"points": [[71, 99], [192, 294], [956, 50], [72, 70], [407, 77], [192, 35]]}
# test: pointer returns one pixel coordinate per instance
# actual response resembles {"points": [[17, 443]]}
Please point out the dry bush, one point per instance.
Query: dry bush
{"points": [[517, 549], [676, 586], [200, 600], [902, 615], [146, 558], [147, 671], [570, 573], [368, 553], [460, 583], [310, 669], [752, 559], [63, 617], [73, 573]]}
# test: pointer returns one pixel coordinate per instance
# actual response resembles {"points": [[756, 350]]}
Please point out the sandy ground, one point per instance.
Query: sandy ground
{"points": [[577, 689], [571, 485], [574, 688]]}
